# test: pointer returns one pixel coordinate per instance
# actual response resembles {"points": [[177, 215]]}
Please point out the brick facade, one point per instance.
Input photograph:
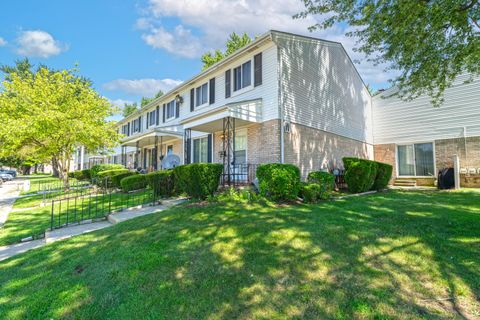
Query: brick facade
{"points": [[263, 143], [312, 149], [468, 150]]}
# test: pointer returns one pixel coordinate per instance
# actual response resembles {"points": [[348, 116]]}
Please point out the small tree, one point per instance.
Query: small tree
{"points": [[47, 113], [234, 43]]}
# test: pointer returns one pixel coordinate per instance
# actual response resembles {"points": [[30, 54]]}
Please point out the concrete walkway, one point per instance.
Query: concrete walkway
{"points": [[9, 192], [68, 232]]}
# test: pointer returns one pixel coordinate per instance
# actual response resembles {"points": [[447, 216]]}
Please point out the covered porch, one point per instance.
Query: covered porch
{"points": [[224, 139], [151, 147]]}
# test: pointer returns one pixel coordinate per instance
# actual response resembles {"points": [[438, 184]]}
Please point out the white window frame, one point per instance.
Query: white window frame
{"points": [[197, 106], [232, 78], [168, 105], [150, 114], [193, 149], [415, 166]]}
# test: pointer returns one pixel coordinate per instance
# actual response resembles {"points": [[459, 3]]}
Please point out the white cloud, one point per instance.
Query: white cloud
{"points": [[214, 20], [144, 87], [180, 41], [3, 42], [38, 43], [120, 102]]}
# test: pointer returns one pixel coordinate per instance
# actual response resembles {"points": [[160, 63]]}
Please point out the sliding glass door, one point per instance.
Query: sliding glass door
{"points": [[416, 160]]}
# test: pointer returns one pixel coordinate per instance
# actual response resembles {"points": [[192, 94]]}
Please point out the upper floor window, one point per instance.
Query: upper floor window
{"points": [[137, 124], [152, 117], [242, 76], [170, 110], [201, 95], [125, 130]]}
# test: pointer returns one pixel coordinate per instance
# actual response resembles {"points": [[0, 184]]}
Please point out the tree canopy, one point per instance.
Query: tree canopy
{"points": [[46, 114], [130, 108], [430, 42], [233, 43]]}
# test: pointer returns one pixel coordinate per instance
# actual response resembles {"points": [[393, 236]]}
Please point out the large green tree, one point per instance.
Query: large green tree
{"points": [[430, 42], [46, 114], [234, 43]]}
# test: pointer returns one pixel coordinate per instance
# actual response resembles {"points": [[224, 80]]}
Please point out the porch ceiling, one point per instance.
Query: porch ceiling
{"points": [[148, 138], [244, 112]]}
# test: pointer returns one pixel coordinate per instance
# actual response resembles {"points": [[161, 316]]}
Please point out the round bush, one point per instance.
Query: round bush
{"points": [[325, 179], [82, 174], [104, 178], [311, 192], [198, 180], [118, 177], [133, 182], [278, 181], [360, 175], [162, 182], [384, 174], [103, 167]]}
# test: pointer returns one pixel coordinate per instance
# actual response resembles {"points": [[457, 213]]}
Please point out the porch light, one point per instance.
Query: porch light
{"points": [[178, 99]]}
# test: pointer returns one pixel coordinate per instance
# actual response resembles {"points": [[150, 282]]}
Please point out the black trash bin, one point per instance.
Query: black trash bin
{"points": [[446, 178]]}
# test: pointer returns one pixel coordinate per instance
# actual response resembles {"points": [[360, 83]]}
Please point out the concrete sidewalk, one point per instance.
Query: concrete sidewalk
{"points": [[9, 192], [68, 232]]}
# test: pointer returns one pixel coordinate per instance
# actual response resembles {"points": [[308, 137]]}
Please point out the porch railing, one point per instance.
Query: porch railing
{"points": [[239, 174]]}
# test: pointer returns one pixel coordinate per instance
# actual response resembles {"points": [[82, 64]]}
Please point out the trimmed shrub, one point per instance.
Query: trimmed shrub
{"points": [[198, 180], [103, 167], [384, 173], [118, 177], [133, 182], [360, 174], [311, 192], [325, 179], [278, 181], [104, 178], [71, 175], [162, 182], [82, 174]]}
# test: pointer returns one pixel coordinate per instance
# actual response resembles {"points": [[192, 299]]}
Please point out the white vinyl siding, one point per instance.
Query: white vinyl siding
{"points": [[398, 121], [320, 88]]}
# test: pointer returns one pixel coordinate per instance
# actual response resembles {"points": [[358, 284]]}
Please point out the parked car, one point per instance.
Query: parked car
{"points": [[13, 173], [6, 177]]}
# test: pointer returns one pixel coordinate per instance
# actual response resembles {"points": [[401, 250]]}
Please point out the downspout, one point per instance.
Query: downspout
{"points": [[280, 104]]}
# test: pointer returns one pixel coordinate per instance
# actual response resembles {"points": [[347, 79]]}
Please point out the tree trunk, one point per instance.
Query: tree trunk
{"points": [[35, 168], [26, 170], [55, 170]]}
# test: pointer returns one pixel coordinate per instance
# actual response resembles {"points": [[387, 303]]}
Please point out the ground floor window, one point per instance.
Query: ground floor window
{"points": [[241, 148], [200, 150], [170, 149], [416, 159]]}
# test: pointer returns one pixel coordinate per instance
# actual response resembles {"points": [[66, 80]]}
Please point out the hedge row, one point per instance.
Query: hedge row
{"points": [[134, 182], [362, 175], [198, 180], [103, 167], [279, 182], [105, 178], [162, 183]]}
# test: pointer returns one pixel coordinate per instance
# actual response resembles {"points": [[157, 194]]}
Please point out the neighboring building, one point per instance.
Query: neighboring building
{"points": [[295, 99], [419, 139]]}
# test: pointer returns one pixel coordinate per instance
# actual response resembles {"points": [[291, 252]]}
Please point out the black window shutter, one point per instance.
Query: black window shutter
{"points": [[157, 121], [212, 91], [209, 148], [128, 129], [140, 123], [257, 65], [148, 117], [192, 99], [227, 83], [177, 110], [164, 112]]}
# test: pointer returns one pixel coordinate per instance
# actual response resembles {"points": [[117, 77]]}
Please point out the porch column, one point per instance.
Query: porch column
{"points": [[135, 160], [188, 145], [155, 155]]}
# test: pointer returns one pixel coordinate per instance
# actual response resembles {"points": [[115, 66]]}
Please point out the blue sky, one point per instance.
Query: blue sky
{"points": [[131, 48]]}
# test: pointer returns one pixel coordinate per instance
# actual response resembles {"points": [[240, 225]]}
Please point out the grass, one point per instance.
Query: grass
{"points": [[396, 255], [34, 222]]}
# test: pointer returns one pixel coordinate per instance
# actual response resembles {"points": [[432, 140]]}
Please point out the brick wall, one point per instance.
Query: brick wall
{"points": [[467, 149], [386, 153], [263, 143], [312, 149]]}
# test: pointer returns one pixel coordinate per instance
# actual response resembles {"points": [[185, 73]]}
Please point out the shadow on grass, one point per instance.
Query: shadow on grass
{"points": [[395, 255]]}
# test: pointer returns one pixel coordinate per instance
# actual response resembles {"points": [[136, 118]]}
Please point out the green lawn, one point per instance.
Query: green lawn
{"points": [[34, 222], [396, 255]]}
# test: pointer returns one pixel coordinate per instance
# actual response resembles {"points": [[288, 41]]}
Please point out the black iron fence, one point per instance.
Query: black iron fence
{"points": [[239, 174], [96, 205]]}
